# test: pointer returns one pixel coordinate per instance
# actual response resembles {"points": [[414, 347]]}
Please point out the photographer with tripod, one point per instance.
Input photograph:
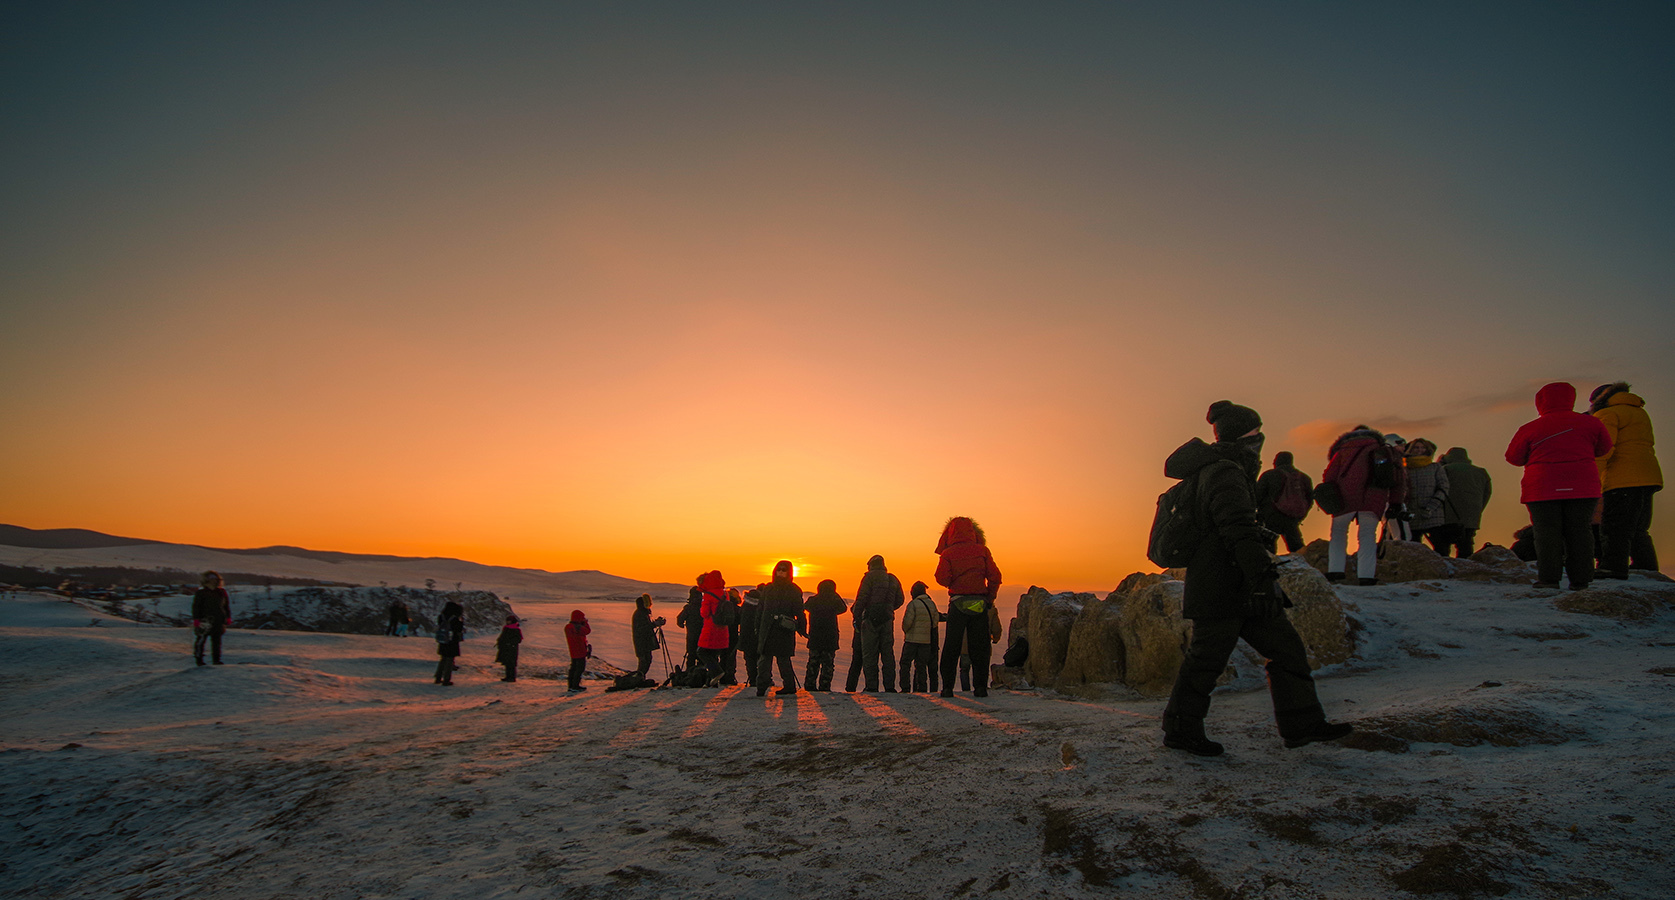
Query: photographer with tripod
{"points": [[645, 630]]}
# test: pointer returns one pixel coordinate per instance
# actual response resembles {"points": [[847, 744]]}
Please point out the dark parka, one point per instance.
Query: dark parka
{"points": [[823, 610], [213, 607], [879, 595], [779, 598], [645, 633], [1271, 486], [1232, 562], [1469, 489]]}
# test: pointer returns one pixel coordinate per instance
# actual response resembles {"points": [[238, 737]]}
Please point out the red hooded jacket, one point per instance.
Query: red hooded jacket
{"points": [[1558, 448], [713, 637], [576, 633], [966, 566]]}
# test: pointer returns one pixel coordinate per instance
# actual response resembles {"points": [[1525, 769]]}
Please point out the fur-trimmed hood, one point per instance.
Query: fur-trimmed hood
{"points": [[1358, 433]]}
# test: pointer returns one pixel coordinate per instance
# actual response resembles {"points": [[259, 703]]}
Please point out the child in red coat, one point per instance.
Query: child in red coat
{"points": [[576, 634]]}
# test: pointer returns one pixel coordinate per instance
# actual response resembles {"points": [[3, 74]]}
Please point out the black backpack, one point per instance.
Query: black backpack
{"points": [[1381, 468], [1177, 527], [726, 613]]}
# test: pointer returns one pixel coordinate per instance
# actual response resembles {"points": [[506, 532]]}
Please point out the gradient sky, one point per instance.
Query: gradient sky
{"points": [[659, 288]]}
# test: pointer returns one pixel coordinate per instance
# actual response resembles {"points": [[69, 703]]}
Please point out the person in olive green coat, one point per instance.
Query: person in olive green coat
{"points": [[1469, 489]]}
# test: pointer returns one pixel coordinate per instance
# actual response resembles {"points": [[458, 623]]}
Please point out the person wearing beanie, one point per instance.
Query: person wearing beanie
{"points": [[1469, 489], [506, 647], [1232, 592], [874, 616], [644, 630], [918, 648], [1283, 500], [575, 636], [1561, 483], [1427, 491], [1350, 465], [779, 621], [1630, 475], [823, 610]]}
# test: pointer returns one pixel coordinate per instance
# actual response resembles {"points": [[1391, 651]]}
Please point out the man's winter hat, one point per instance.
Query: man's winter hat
{"points": [[918, 588], [1284, 458], [1232, 421], [511, 620]]}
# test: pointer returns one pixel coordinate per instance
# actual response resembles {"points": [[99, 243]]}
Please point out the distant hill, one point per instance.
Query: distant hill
{"points": [[79, 548]]}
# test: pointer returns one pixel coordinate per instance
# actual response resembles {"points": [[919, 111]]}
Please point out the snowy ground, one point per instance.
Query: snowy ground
{"points": [[328, 766]]}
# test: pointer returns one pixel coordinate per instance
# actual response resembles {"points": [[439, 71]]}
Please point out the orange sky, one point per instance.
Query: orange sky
{"points": [[705, 294]]}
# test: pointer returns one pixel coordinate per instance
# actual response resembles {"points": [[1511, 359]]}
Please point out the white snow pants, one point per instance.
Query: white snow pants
{"points": [[1366, 551]]}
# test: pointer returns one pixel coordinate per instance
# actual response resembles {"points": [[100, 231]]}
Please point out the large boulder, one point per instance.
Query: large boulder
{"points": [[1096, 653], [1047, 619], [1154, 635], [1401, 561], [1618, 600], [1316, 612]]}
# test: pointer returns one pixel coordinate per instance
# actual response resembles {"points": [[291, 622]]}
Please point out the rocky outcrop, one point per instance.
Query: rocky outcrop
{"points": [[1413, 561], [1047, 618], [1136, 636], [1618, 600], [364, 610]]}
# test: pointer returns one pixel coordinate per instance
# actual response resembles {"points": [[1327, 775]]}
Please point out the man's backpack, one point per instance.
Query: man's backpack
{"points": [[726, 614], [1176, 532], [1294, 499], [1381, 468]]}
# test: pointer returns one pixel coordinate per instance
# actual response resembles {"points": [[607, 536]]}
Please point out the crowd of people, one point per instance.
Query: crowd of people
{"points": [[1588, 483]]}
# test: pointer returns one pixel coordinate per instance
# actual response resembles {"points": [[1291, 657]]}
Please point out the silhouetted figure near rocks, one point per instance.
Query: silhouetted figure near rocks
{"points": [[450, 630], [1469, 489], [779, 621], [1523, 543], [919, 630], [1232, 592], [876, 602], [644, 630], [212, 609], [1630, 476], [1561, 484], [734, 611], [1283, 500], [506, 647], [823, 610], [967, 569], [398, 620]]}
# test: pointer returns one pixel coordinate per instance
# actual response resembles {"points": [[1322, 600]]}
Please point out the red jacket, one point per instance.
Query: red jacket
{"points": [[713, 637], [576, 633], [1349, 468], [1558, 448], [966, 566]]}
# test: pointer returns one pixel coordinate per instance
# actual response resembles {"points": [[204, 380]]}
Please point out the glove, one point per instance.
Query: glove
{"points": [[1268, 599]]}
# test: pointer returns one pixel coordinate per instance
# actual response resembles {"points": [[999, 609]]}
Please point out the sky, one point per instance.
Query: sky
{"points": [[663, 288]]}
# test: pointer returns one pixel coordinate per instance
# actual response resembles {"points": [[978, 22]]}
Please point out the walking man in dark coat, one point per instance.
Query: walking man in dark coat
{"points": [[1232, 592]]}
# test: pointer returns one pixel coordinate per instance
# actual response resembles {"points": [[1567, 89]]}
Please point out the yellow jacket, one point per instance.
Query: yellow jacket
{"points": [[1632, 461]]}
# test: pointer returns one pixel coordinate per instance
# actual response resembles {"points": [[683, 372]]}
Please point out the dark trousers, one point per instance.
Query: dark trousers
{"points": [[1564, 542], [730, 662], [817, 676], [1289, 529], [853, 680], [692, 645], [710, 661], [1452, 538], [765, 675], [643, 663], [213, 638], [1625, 524], [966, 629], [509, 659], [751, 655], [878, 648], [576, 666], [918, 667], [1296, 706], [445, 670]]}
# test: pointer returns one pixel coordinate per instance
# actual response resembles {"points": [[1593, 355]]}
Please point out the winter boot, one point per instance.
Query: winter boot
{"points": [[1188, 735], [1334, 576], [1324, 731]]}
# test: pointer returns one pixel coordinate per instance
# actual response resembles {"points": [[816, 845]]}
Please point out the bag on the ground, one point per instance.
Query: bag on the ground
{"points": [[1329, 497], [631, 682], [1176, 532], [1017, 654], [1381, 468], [1293, 501]]}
